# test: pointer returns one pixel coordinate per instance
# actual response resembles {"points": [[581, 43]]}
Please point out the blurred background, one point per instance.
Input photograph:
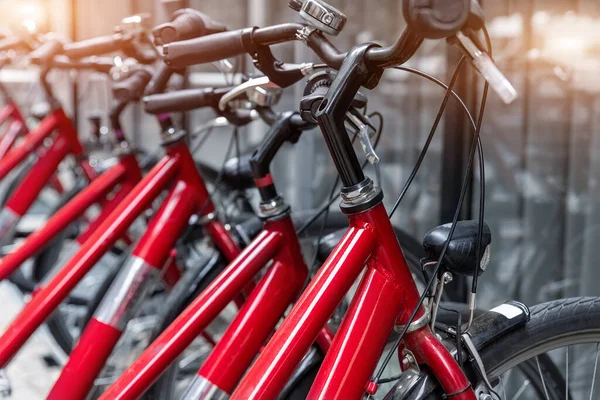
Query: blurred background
{"points": [[542, 152]]}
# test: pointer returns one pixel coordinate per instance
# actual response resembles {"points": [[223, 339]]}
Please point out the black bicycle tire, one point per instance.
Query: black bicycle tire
{"points": [[553, 325]]}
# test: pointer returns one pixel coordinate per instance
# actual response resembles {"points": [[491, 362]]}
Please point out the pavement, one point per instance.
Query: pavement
{"points": [[30, 376]]}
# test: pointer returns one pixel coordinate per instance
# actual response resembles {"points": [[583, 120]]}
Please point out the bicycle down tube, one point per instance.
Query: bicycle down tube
{"points": [[188, 195], [243, 339], [124, 175], [63, 143]]}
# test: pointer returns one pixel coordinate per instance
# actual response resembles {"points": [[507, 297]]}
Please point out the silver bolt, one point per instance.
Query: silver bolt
{"points": [[327, 18], [447, 277]]}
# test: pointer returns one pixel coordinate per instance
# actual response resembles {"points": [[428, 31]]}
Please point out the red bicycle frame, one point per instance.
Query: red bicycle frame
{"points": [[116, 182], [256, 320], [188, 195], [385, 297], [64, 142], [17, 127]]}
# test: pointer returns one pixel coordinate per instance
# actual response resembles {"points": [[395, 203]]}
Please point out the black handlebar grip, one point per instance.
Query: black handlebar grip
{"points": [[183, 100], [436, 19], [46, 52], [132, 87], [185, 24], [204, 49], [94, 46]]}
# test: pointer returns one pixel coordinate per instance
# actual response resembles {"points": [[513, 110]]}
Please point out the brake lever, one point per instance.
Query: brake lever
{"points": [[487, 68], [260, 91], [365, 132]]}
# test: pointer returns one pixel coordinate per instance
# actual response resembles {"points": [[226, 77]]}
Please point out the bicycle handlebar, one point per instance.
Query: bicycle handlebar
{"points": [[233, 43], [186, 23], [99, 64], [183, 100], [95, 46]]}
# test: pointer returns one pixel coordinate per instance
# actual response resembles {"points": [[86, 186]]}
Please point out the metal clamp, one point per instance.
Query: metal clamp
{"points": [[303, 34], [417, 324], [263, 82]]}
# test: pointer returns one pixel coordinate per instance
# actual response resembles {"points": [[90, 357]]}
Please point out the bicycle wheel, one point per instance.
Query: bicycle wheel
{"points": [[567, 331]]}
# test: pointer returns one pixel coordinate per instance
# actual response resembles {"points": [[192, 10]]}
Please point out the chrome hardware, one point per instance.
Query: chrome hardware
{"points": [[205, 219], [303, 34], [273, 208], [471, 305], [416, 324], [171, 135], [445, 278], [365, 132], [246, 87], [202, 388], [409, 361], [323, 16], [486, 258], [126, 293], [264, 96], [359, 195], [486, 67]]}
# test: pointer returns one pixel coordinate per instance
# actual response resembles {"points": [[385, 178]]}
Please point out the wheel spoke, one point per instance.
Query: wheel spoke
{"points": [[567, 374], [595, 369], [521, 389], [537, 360]]}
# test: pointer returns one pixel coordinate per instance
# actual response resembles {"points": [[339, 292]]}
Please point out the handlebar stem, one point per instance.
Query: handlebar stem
{"points": [[354, 73]]}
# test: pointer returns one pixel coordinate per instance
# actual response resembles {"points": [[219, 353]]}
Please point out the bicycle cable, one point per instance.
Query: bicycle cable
{"points": [[476, 145]]}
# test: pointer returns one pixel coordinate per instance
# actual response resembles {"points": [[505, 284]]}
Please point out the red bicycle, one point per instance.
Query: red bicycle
{"points": [[465, 365], [56, 127]]}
